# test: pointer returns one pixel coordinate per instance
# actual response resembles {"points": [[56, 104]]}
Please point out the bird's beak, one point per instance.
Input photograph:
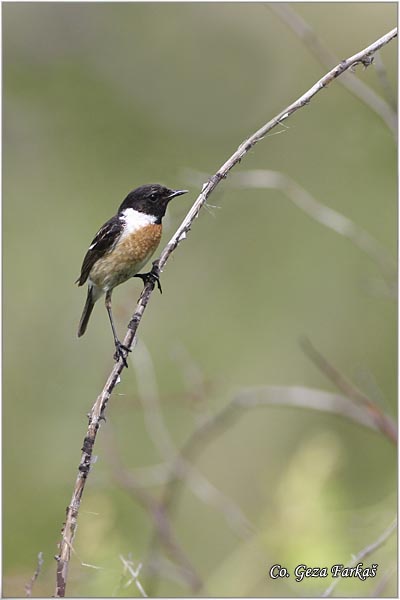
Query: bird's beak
{"points": [[176, 193]]}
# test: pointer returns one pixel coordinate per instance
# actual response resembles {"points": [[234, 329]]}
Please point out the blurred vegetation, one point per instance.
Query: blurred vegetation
{"points": [[102, 97]]}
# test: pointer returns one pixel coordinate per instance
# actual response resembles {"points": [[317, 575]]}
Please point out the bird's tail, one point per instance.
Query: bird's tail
{"points": [[87, 311]]}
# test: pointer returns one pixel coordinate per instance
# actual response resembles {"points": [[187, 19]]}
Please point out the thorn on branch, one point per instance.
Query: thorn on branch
{"points": [[366, 61], [84, 469], [87, 445], [215, 179], [134, 322]]}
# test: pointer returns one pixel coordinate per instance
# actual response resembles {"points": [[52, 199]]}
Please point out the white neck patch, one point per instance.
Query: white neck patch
{"points": [[134, 220]]}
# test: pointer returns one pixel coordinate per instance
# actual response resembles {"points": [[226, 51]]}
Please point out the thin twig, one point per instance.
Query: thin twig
{"points": [[134, 574], [257, 396], [99, 407], [326, 58], [194, 443], [326, 216], [383, 422], [30, 584], [161, 521], [300, 197], [248, 399], [176, 467], [364, 553], [181, 468], [382, 583], [306, 398]]}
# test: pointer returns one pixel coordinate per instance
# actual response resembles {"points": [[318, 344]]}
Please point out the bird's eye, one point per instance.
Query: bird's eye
{"points": [[153, 197]]}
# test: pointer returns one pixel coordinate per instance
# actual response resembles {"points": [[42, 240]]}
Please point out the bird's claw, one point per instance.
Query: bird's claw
{"points": [[121, 352], [153, 276]]}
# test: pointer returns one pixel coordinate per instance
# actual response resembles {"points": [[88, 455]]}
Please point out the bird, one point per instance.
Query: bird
{"points": [[121, 247]]}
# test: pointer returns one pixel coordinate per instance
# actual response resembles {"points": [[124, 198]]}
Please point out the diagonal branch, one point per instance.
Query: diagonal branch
{"points": [[300, 197], [326, 58], [382, 421], [98, 410], [364, 553], [162, 525]]}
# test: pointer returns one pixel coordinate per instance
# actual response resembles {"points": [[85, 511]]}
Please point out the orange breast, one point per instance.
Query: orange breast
{"points": [[130, 254]]}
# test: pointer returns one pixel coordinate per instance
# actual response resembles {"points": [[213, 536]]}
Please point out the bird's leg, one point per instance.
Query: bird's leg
{"points": [[153, 275], [121, 351]]}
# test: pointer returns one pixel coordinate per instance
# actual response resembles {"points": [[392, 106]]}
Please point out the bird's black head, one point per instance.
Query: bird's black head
{"points": [[151, 199]]}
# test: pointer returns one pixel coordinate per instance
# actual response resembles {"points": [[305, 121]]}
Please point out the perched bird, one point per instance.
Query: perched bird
{"points": [[122, 247]]}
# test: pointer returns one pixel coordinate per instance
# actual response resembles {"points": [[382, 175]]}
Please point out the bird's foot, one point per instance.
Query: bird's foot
{"points": [[121, 352], [153, 276]]}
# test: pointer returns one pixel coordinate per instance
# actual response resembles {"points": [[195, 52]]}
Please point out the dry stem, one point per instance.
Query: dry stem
{"points": [[99, 407], [326, 58]]}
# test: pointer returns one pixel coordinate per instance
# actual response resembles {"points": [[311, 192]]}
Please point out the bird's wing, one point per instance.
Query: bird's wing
{"points": [[104, 242]]}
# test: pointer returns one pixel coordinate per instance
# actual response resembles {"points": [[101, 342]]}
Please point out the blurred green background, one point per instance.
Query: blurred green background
{"points": [[102, 97]]}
